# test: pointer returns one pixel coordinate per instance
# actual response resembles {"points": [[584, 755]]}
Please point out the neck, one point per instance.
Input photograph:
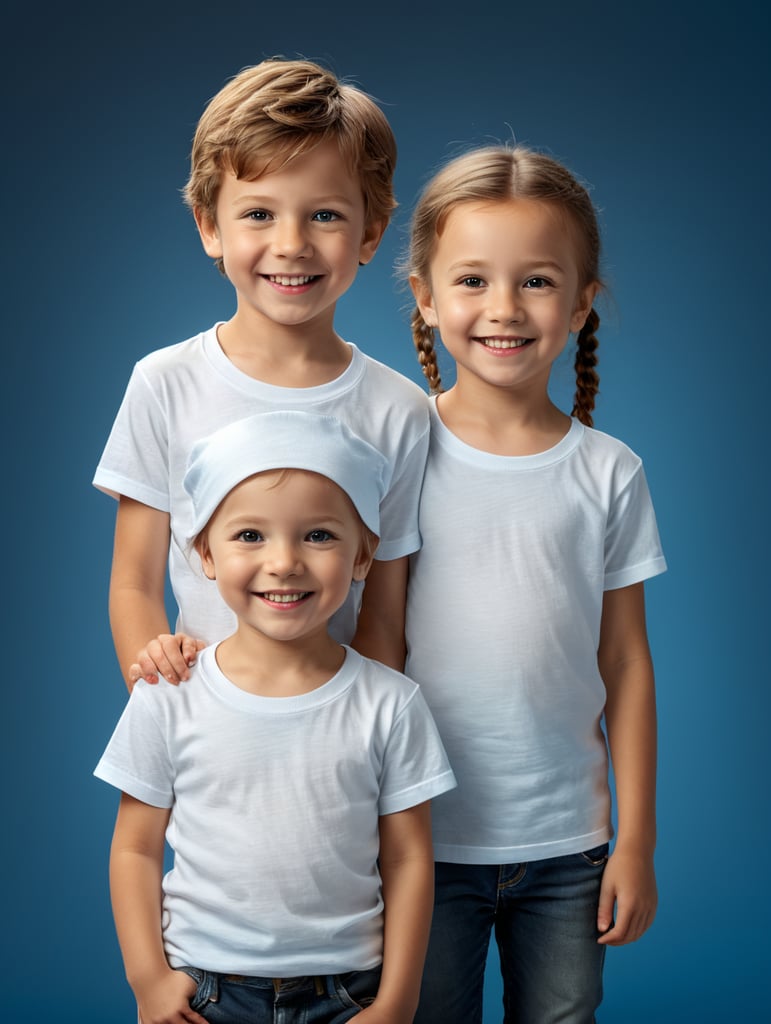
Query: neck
{"points": [[278, 668], [284, 355], [502, 421]]}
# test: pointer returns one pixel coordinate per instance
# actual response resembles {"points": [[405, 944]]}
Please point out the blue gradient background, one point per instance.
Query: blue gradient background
{"points": [[664, 109]]}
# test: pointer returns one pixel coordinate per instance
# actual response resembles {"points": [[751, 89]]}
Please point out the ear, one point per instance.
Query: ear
{"points": [[362, 565], [584, 302], [424, 299], [366, 555], [209, 234], [207, 562], [373, 234]]}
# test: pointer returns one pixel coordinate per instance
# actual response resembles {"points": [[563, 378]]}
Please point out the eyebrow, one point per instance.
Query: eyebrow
{"points": [[255, 198], [476, 264]]}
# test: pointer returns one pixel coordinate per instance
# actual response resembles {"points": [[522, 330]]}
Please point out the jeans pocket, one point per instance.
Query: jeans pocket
{"points": [[597, 857], [206, 987], [358, 988]]}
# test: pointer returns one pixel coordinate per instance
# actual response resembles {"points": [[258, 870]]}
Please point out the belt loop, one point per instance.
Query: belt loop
{"points": [[277, 985], [319, 982]]}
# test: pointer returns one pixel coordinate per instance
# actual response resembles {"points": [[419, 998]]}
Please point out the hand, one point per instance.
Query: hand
{"points": [[168, 655], [165, 999], [629, 887], [375, 1014]]}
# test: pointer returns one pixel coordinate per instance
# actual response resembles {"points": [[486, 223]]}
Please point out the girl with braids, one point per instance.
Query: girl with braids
{"points": [[525, 618]]}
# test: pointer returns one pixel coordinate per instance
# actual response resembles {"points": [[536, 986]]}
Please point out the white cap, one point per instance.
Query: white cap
{"points": [[284, 440]]}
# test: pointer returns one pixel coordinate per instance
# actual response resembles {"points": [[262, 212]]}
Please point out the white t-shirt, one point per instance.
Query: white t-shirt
{"points": [[503, 624], [275, 805], [179, 394]]}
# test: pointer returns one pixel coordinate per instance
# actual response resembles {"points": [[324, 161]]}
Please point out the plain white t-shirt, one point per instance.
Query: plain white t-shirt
{"points": [[503, 624], [179, 394], [274, 811]]}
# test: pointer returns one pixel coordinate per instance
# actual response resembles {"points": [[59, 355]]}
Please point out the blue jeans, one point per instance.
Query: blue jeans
{"points": [[325, 999], [544, 915]]}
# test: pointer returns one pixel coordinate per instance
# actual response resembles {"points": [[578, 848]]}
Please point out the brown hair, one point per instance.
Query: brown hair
{"points": [[279, 109], [503, 173]]}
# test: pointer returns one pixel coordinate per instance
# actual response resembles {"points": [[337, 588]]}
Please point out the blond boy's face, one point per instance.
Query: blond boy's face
{"points": [[292, 241]]}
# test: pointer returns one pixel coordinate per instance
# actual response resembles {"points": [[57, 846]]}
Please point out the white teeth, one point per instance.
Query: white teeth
{"points": [[505, 342], [286, 280], [284, 598]]}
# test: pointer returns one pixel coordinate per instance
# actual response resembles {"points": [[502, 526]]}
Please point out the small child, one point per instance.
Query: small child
{"points": [[290, 775], [291, 190], [526, 614]]}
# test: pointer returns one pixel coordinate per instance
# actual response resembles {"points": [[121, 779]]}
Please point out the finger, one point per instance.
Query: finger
{"points": [[606, 906], [136, 672]]}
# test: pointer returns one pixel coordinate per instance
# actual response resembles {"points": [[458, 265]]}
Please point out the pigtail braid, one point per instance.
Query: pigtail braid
{"points": [[587, 378], [423, 337]]}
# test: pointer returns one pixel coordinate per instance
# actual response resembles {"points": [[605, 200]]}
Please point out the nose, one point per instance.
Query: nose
{"points": [[505, 306], [283, 559], [290, 239]]}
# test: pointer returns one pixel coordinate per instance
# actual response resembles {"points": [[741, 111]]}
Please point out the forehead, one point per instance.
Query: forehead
{"points": [[517, 224], [323, 167]]}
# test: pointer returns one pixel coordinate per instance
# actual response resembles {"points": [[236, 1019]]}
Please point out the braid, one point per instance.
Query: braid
{"points": [[423, 336], [587, 378]]}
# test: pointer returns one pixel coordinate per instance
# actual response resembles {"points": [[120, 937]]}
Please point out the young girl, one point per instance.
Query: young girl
{"points": [[290, 775], [525, 617]]}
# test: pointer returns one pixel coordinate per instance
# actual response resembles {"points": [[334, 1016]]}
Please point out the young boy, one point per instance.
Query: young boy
{"points": [[291, 190], [290, 775]]}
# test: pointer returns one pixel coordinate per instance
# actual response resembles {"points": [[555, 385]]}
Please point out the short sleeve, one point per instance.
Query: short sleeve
{"points": [[135, 461], [136, 759], [633, 549], [415, 765], [399, 508]]}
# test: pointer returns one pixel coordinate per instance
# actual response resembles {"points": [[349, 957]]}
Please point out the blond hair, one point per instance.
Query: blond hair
{"points": [[279, 109], [498, 173]]}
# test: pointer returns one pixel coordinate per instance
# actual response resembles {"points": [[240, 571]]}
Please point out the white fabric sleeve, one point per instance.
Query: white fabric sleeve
{"points": [[632, 545], [136, 759], [135, 459], [415, 766], [399, 508]]}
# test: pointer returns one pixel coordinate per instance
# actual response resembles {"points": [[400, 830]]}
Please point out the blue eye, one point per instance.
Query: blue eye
{"points": [[319, 536], [258, 215], [249, 536], [326, 216]]}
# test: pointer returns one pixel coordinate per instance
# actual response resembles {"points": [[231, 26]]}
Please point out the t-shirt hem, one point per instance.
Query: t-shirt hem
{"points": [[455, 854], [388, 551], [417, 794], [119, 486], [134, 787], [635, 573]]}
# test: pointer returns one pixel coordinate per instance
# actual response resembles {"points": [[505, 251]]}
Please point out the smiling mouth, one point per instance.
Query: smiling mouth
{"points": [[291, 280], [504, 343], [278, 598]]}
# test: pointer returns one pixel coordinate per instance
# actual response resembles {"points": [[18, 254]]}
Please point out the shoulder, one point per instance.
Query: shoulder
{"points": [[607, 450], [382, 681], [392, 383], [163, 361]]}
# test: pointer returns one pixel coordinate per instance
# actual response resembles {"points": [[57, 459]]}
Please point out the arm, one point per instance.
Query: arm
{"points": [[380, 628], [629, 882], [407, 870], [136, 867], [137, 606]]}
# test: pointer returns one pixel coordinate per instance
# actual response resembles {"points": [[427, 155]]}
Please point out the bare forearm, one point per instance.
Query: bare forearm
{"points": [[135, 619], [135, 888], [380, 629], [631, 724], [407, 871]]}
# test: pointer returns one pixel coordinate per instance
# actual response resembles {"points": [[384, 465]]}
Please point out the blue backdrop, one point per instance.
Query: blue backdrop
{"points": [[664, 108]]}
